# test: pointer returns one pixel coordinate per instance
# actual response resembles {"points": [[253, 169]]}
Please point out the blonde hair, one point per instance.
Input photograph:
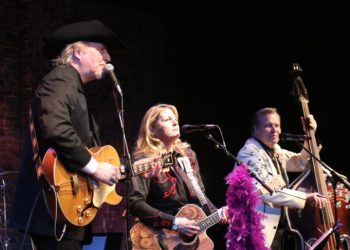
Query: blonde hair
{"points": [[147, 144], [66, 56]]}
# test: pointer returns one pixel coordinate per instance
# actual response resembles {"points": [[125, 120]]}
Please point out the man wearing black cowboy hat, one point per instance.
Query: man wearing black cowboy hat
{"points": [[61, 121]]}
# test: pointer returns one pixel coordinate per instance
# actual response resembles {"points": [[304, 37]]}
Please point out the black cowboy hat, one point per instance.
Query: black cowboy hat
{"points": [[89, 31]]}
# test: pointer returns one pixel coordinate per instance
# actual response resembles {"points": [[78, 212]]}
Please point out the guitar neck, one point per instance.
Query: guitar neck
{"points": [[208, 222], [144, 167], [164, 162]]}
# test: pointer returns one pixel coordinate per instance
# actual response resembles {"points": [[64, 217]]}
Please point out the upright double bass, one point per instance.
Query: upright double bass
{"points": [[317, 226]]}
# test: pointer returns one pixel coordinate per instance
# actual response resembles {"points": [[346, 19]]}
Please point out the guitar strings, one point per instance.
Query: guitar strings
{"points": [[81, 181]]}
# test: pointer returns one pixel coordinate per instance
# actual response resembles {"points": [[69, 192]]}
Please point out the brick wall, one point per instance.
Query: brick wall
{"points": [[22, 66]]}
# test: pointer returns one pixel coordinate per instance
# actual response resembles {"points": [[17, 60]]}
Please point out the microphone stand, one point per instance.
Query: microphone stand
{"points": [[219, 145], [321, 241], [334, 173], [5, 244], [126, 156], [335, 178]]}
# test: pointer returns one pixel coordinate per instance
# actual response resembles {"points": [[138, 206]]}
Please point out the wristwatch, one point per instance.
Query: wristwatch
{"points": [[174, 227]]}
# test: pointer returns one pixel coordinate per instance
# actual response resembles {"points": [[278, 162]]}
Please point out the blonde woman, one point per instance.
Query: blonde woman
{"points": [[156, 199]]}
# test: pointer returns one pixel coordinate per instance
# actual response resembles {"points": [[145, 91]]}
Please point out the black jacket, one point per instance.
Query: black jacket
{"points": [[62, 122], [158, 199]]}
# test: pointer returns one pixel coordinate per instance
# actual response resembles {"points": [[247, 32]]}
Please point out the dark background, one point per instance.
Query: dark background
{"points": [[217, 63]]}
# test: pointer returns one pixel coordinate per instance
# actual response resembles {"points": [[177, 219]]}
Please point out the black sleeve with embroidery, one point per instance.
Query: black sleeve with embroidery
{"points": [[157, 200], [145, 204]]}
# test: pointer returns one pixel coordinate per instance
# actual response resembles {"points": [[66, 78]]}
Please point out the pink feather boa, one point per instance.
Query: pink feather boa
{"points": [[245, 229]]}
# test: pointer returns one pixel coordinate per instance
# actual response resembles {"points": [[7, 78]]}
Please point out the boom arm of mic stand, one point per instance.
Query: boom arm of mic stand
{"points": [[333, 172], [230, 155]]}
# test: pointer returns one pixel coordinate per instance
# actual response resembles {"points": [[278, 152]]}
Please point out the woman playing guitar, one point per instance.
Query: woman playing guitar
{"points": [[171, 202]]}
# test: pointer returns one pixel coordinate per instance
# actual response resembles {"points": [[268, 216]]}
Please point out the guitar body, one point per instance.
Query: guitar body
{"points": [[144, 237], [75, 197]]}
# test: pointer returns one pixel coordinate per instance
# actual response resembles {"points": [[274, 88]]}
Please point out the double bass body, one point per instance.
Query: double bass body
{"points": [[311, 222]]}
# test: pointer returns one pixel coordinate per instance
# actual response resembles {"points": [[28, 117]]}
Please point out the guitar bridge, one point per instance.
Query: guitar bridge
{"points": [[75, 186]]}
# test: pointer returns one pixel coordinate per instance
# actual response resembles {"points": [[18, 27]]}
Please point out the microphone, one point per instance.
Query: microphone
{"points": [[192, 128], [293, 137], [109, 68]]}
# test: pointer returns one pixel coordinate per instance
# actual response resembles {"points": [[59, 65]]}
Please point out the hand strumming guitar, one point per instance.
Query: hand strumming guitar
{"points": [[107, 173], [185, 226]]}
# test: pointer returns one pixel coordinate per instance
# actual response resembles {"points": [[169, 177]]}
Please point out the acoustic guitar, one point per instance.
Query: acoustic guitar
{"points": [[76, 197], [144, 237]]}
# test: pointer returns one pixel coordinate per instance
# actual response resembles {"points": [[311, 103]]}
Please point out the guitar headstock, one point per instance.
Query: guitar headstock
{"points": [[167, 161]]}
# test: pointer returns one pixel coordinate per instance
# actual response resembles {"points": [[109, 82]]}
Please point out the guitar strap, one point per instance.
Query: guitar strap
{"points": [[185, 164], [93, 133], [36, 154], [45, 184], [160, 237]]}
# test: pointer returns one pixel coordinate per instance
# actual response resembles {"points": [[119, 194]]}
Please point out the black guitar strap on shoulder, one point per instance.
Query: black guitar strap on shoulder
{"points": [[93, 133]]}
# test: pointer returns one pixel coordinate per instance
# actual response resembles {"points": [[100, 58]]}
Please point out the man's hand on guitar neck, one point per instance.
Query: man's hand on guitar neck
{"points": [[106, 173]]}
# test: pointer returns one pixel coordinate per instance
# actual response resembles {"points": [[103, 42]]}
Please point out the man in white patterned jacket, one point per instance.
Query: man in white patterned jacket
{"points": [[270, 162]]}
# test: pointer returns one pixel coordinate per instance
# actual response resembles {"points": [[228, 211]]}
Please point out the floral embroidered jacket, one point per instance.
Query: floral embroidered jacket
{"points": [[156, 200], [258, 161]]}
